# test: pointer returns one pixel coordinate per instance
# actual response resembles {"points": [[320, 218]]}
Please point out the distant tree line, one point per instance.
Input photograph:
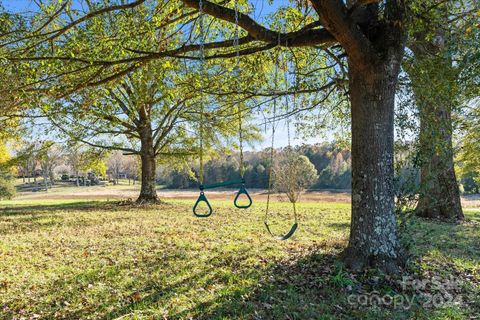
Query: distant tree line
{"points": [[331, 162]]}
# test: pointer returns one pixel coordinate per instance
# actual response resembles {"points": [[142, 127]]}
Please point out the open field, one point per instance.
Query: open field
{"points": [[126, 191], [69, 254]]}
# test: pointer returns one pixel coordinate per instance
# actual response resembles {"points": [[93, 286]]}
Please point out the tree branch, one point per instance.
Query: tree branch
{"points": [[58, 32], [332, 14], [302, 37], [125, 108]]}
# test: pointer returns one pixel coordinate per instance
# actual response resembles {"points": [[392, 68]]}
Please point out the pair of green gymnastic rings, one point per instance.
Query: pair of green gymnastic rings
{"points": [[203, 198]]}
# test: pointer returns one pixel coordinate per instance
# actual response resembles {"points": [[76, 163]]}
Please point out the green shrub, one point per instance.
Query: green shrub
{"points": [[7, 187]]}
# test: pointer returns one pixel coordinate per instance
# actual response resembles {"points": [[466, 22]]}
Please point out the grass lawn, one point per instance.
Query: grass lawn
{"points": [[75, 259]]}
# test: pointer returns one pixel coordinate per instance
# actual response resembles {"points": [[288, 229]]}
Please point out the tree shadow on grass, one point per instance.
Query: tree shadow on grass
{"points": [[39, 216], [49, 208], [19, 219], [310, 283], [339, 226], [307, 284], [317, 287], [82, 206], [458, 241], [156, 293]]}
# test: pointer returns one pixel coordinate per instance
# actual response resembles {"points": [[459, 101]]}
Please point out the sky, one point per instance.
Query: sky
{"points": [[18, 5], [262, 9]]}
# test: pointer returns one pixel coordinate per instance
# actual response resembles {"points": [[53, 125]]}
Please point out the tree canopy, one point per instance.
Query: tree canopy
{"points": [[107, 65]]}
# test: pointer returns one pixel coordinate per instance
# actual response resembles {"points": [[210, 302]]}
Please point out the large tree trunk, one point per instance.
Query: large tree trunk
{"points": [[439, 195], [439, 192], [148, 191], [373, 237]]}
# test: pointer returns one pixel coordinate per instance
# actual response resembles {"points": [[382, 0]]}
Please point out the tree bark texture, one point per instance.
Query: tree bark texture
{"points": [[373, 237], [148, 190]]}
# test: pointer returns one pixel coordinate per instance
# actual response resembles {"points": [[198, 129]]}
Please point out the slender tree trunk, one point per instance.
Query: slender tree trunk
{"points": [[148, 190], [52, 177], [45, 181], [45, 176], [373, 237]]}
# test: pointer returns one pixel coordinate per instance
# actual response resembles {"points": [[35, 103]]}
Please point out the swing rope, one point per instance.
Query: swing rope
{"points": [[202, 75], [240, 137], [270, 169], [201, 197], [242, 190], [236, 44], [292, 181], [272, 143], [287, 106]]}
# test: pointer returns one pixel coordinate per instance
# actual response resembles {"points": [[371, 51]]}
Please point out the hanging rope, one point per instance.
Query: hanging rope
{"points": [[241, 182], [270, 170], [236, 44], [272, 144], [242, 190], [295, 91], [287, 106], [285, 76], [202, 75], [202, 197]]}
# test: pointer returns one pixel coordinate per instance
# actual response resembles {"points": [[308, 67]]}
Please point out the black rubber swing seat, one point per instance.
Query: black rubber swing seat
{"points": [[285, 236], [202, 198]]}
